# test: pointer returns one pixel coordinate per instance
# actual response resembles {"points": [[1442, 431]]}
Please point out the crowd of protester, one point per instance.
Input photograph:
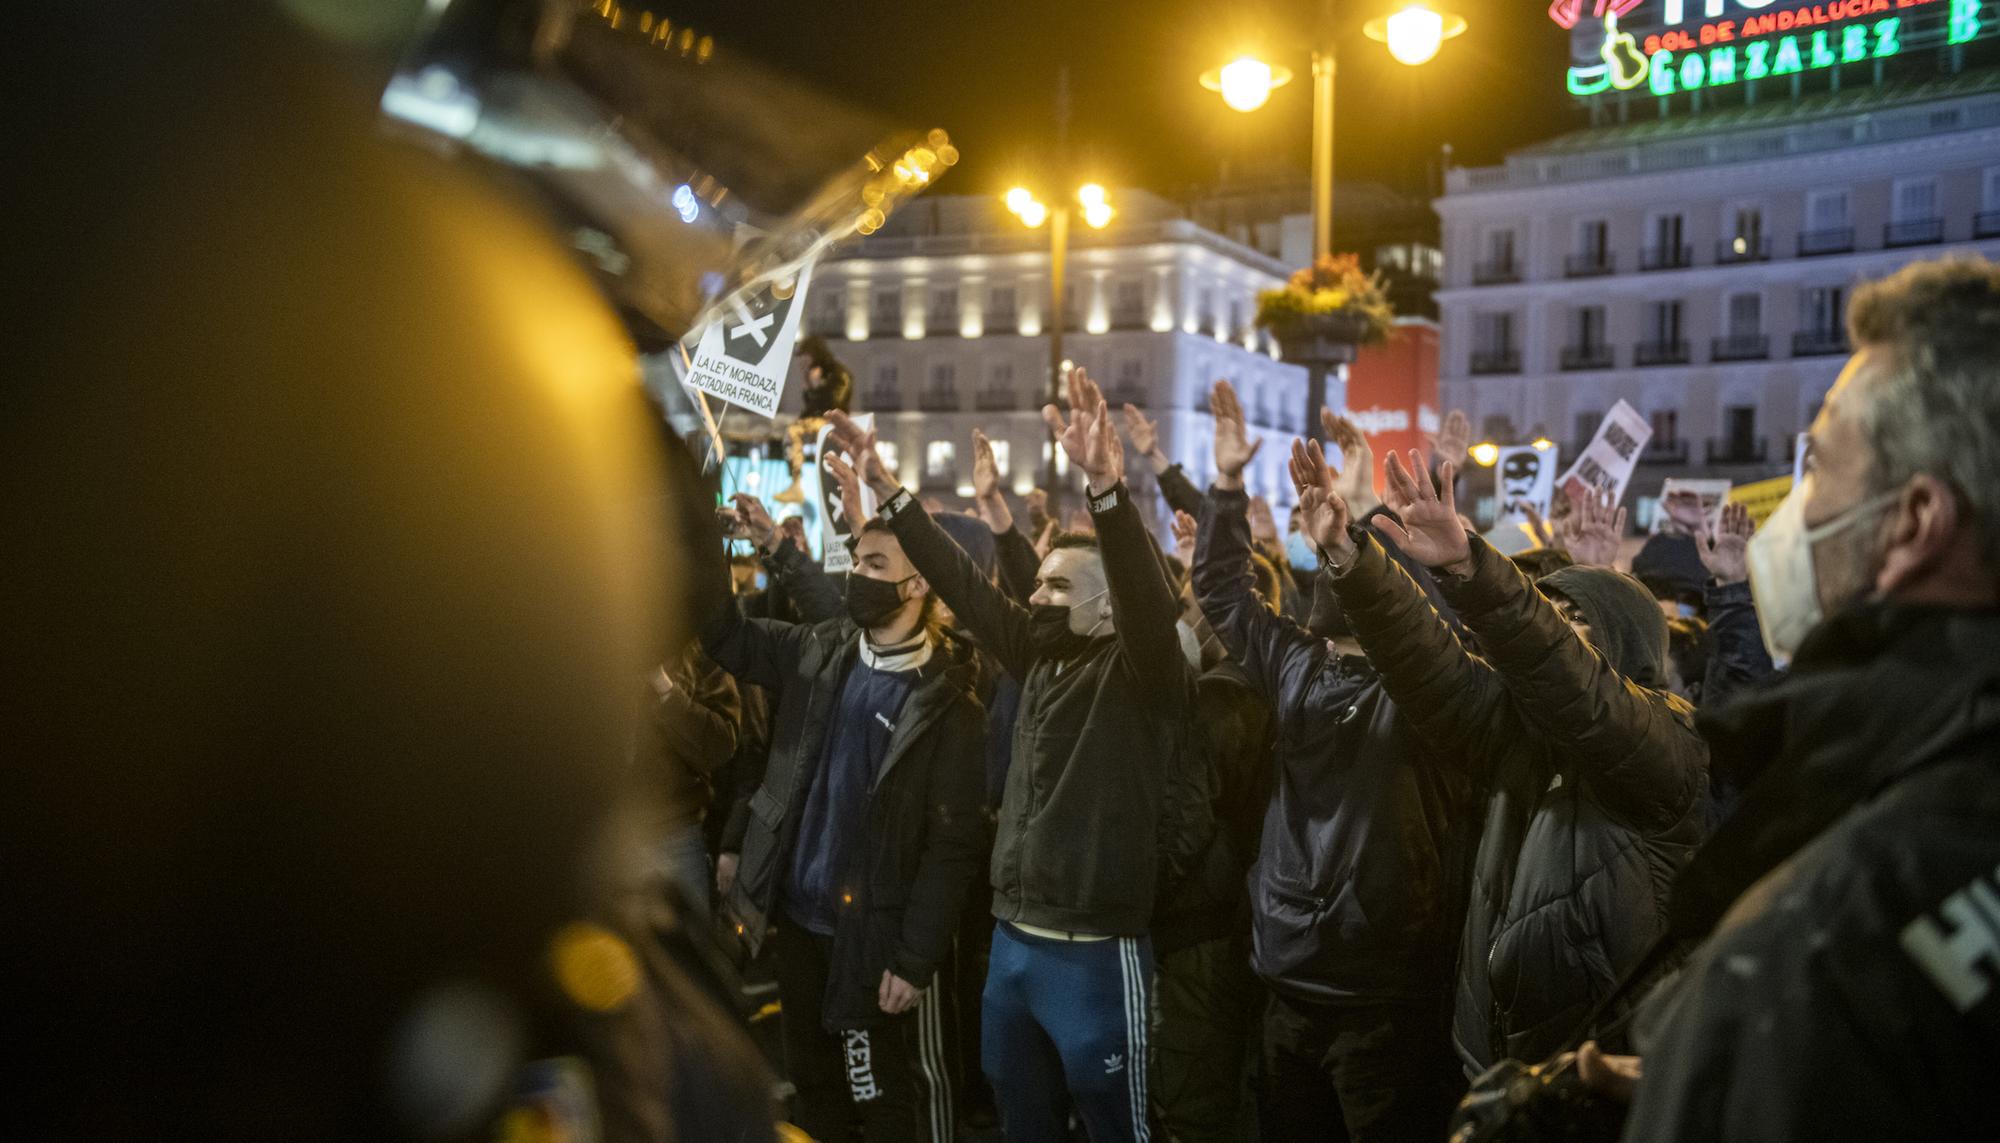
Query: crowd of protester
{"points": [[1224, 833]]}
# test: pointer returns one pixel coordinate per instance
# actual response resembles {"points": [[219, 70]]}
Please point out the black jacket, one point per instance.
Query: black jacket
{"points": [[1101, 788], [1852, 988], [1234, 744], [1352, 894], [926, 826], [1594, 779]]}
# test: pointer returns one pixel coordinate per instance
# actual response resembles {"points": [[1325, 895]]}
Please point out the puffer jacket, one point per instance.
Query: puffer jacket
{"points": [[1847, 986], [1354, 893], [1594, 779]]}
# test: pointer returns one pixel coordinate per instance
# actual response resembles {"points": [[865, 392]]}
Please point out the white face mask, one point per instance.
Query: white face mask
{"points": [[1783, 583]]}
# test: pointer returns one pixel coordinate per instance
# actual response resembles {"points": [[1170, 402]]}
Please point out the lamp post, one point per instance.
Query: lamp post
{"points": [[1095, 205], [1413, 33]]}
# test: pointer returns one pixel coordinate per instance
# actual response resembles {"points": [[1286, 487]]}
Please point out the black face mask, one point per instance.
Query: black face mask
{"points": [[870, 601], [1048, 631]]}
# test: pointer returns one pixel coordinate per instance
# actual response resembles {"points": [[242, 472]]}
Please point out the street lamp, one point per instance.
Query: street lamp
{"points": [[1414, 33], [1098, 212]]}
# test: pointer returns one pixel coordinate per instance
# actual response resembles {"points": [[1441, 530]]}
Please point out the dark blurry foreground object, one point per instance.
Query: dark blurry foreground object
{"points": [[335, 529]]}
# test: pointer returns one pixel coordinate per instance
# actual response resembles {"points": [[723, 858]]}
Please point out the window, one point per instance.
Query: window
{"points": [[1746, 229], [1131, 371], [1740, 430], [939, 457], [1500, 247], [943, 376], [886, 310], [1003, 305], [1666, 428], [1822, 309], [1989, 189], [1587, 330], [1743, 315], [944, 305], [1826, 210], [1001, 375], [1666, 322], [1493, 333], [1913, 200], [1668, 231], [887, 451], [1586, 427], [885, 377], [1593, 240], [1128, 302]]}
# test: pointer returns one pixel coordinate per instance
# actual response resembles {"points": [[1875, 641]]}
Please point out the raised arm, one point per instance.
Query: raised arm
{"points": [[814, 594], [1277, 654], [1637, 746], [1000, 624], [1737, 656], [1176, 489], [698, 711], [759, 651], [1457, 703], [1143, 605]]}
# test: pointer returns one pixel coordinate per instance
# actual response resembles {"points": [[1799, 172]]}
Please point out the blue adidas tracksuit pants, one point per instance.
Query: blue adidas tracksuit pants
{"points": [[1064, 1025]]}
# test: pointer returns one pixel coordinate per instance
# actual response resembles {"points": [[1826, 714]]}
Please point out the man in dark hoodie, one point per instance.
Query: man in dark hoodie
{"points": [[862, 838], [1354, 913], [1593, 776], [1092, 796], [1849, 988]]}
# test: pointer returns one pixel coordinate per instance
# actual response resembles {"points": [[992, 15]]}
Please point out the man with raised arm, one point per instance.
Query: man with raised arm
{"points": [[1593, 775], [1354, 903], [1095, 792]]}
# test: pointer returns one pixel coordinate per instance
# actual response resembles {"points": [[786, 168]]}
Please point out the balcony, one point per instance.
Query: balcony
{"points": [[1128, 317], [883, 399], [938, 401], [1126, 393], [1813, 243], [1915, 232], [1660, 353], [1740, 347], [1590, 264], [1666, 258], [1658, 451], [1986, 224], [1000, 322], [1726, 451], [1496, 273], [1819, 342], [1732, 251], [1576, 357], [995, 400], [1487, 361]]}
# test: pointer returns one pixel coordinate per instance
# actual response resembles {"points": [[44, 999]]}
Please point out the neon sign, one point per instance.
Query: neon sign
{"points": [[1720, 52]]}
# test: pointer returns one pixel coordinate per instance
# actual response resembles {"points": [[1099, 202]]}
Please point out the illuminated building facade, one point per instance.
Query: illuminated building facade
{"points": [[1692, 252], [942, 316]]}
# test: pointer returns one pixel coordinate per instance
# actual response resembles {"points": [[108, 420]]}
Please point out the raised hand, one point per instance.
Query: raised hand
{"points": [[1431, 531], [1323, 514], [1357, 473], [985, 470], [1591, 533], [859, 443], [1454, 438], [1145, 436], [1263, 524], [758, 527], [1233, 446], [1088, 436], [1185, 530], [1724, 550]]}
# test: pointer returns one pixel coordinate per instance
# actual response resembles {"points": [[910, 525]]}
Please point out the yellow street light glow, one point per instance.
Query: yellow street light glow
{"points": [[1090, 194], [1018, 199], [1542, 444], [1246, 82], [1034, 214], [1414, 32], [1097, 215], [1486, 453]]}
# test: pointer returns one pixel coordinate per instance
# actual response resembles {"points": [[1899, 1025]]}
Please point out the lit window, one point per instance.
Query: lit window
{"points": [[887, 451], [1002, 451], [938, 458]]}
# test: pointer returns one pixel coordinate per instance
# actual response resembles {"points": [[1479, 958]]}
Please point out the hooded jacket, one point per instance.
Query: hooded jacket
{"points": [[1593, 779], [1353, 895], [1850, 989]]}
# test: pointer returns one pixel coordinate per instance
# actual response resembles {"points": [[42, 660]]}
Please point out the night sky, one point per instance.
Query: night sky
{"points": [[986, 72]]}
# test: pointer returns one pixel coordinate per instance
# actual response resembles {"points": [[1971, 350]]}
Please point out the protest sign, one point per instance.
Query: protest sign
{"points": [[1523, 476], [743, 356], [835, 528], [1689, 506], [1762, 498], [1606, 464]]}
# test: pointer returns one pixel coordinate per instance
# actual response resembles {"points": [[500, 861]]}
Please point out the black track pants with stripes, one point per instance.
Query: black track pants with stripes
{"points": [[891, 1079]]}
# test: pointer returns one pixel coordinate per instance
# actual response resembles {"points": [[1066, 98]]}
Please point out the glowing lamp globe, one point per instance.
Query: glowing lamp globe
{"points": [[1414, 32], [1246, 82]]}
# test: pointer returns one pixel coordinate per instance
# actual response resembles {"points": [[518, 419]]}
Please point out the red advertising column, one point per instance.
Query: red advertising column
{"points": [[1392, 390]]}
